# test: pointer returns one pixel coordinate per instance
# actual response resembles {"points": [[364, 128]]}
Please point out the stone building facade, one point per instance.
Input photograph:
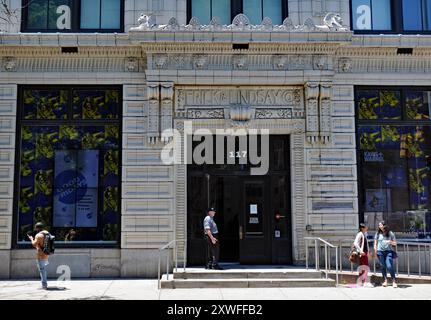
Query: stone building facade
{"points": [[297, 79]]}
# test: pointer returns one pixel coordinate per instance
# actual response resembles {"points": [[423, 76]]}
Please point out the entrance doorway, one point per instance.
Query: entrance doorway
{"points": [[253, 212]]}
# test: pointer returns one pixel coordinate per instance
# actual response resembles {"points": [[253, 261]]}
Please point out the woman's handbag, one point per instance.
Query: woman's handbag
{"points": [[354, 255]]}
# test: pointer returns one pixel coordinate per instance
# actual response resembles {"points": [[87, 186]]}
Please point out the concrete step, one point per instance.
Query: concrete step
{"points": [[246, 283], [240, 274]]}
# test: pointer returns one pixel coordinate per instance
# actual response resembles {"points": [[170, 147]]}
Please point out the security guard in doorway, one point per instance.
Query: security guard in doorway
{"points": [[212, 241]]}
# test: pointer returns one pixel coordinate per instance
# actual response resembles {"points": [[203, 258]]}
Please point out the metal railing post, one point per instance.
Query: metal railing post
{"points": [[430, 260], [336, 266], [396, 250], [420, 261], [306, 254], [326, 260], [316, 255], [176, 257], [408, 260], [167, 266], [158, 273]]}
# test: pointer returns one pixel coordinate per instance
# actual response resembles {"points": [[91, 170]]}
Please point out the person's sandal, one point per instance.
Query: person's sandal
{"points": [[385, 283], [394, 285]]}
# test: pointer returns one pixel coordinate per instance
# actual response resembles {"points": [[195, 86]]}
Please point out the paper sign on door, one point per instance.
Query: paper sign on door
{"points": [[253, 209]]}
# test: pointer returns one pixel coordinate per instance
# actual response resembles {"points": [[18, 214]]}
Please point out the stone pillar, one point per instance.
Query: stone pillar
{"points": [[147, 184], [8, 106], [166, 114], [153, 125], [312, 112], [325, 113], [331, 165]]}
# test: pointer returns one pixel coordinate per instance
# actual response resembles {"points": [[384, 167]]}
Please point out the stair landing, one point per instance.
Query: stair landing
{"points": [[243, 276]]}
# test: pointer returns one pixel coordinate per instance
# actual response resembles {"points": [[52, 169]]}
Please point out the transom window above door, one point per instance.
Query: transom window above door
{"points": [[226, 10], [72, 15]]}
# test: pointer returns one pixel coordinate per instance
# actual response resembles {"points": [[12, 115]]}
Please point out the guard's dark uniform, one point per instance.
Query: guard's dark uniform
{"points": [[213, 250]]}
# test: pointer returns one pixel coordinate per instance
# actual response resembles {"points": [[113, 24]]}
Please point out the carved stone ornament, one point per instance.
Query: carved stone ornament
{"points": [[240, 62], [160, 61], [332, 22], [131, 64], [10, 64], [240, 22], [345, 65], [200, 61], [280, 62], [267, 24], [240, 114], [320, 63], [145, 22], [194, 24]]}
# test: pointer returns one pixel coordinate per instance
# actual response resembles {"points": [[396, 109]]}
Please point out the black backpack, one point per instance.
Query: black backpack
{"points": [[48, 243]]}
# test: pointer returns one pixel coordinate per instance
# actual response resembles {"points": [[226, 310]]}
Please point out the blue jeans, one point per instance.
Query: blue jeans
{"points": [[386, 259], [42, 265]]}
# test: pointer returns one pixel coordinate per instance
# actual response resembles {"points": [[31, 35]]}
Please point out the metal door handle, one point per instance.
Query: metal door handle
{"points": [[240, 233]]}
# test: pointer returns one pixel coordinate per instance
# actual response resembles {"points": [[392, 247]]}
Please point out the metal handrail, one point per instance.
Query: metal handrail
{"points": [[317, 245], [406, 245], [165, 247]]}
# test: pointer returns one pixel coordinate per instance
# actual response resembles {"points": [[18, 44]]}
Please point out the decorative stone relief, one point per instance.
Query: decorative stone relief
{"points": [[160, 61], [267, 24], [200, 61], [153, 112], [240, 62], [131, 64], [345, 65], [240, 114], [10, 64], [194, 24], [332, 22], [320, 62], [325, 113], [166, 114], [311, 111], [205, 113], [240, 22], [274, 113], [215, 24], [146, 22], [280, 62]]}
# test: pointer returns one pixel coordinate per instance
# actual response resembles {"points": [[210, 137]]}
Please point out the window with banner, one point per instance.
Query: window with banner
{"points": [[68, 168], [394, 135], [226, 10], [72, 15], [391, 16]]}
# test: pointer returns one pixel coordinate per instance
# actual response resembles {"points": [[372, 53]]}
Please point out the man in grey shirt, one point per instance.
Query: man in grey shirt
{"points": [[211, 238]]}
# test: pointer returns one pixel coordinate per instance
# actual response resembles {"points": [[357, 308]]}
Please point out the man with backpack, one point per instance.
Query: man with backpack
{"points": [[43, 242]]}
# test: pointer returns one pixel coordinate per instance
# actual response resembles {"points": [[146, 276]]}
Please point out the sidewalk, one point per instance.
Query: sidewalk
{"points": [[135, 289]]}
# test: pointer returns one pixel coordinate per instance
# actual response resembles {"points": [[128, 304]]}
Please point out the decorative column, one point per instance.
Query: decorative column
{"points": [[325, 113], [166, 114], [153, 129], [312, 112]]}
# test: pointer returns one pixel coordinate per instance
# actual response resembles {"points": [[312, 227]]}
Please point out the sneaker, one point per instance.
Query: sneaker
{"points": [[208, 267], [385, 283], [43, 288], [368, 285], [394, 285]]}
